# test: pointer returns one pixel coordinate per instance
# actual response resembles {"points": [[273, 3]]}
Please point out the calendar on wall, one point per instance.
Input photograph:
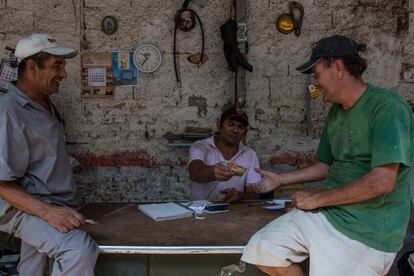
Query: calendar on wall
{"points": [[7, 72], [97, 77], [8, 69]]}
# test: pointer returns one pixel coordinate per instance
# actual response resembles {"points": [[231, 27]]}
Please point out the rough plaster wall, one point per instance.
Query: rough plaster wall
{"points": [[120, 142]]}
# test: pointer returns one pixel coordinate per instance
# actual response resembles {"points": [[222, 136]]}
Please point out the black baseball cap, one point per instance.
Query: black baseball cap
{"points": [[234, 113], [332, 46]]}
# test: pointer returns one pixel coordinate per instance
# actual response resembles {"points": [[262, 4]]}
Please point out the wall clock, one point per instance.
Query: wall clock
{"points": [[147, 58]]}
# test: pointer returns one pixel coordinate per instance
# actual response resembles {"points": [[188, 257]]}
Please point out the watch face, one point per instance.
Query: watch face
{"points": [[147, 58]]}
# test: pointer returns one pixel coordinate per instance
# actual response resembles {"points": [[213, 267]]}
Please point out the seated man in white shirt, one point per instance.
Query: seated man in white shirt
{"points": [[211, 161]]}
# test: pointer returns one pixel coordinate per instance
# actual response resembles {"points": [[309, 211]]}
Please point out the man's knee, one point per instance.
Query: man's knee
{"points": [[265, 269], [273, 271], [88, 252], [81, 248]]}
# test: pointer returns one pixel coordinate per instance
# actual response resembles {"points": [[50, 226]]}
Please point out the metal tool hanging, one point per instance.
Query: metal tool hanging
{"points": [[185, 20]]}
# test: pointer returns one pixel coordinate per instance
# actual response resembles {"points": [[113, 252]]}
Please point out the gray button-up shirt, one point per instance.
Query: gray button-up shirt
{"points": [[33, 150]]}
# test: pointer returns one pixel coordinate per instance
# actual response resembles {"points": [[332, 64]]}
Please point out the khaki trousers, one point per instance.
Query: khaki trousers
{"points": [[73, 253]]}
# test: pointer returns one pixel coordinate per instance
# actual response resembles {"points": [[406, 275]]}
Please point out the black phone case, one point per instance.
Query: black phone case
{"points": [[217, 207]]}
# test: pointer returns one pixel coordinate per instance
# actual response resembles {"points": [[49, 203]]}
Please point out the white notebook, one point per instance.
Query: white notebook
{"points": [[165, 211]]}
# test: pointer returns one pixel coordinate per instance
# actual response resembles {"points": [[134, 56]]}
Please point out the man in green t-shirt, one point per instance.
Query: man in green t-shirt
{"points": [[356, 224]]}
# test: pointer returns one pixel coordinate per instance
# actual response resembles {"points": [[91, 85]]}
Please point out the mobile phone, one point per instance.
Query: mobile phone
{"points": [[217, 207]]}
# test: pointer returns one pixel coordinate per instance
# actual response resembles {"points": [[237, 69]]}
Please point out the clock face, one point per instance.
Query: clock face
{"points": [[147, 58]]}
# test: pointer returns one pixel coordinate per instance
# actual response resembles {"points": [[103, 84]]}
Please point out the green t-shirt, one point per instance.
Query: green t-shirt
{"points": [[376, 130]]}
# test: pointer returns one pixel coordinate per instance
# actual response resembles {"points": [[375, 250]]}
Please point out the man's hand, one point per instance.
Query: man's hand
{"points": [[222, 172], [269, 182], [231, 195], [63, 218], [304, 200]]}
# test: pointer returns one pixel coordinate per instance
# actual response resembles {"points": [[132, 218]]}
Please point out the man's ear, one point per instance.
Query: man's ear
{"points": [[339, 68], [31, 66], [30, 69]]}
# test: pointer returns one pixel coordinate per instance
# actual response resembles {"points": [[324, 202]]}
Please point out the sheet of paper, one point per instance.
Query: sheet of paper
{"points": [[199, 205]]}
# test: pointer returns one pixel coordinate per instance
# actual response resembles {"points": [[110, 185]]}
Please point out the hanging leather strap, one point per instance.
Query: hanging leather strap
{"points": [[297, 19]]}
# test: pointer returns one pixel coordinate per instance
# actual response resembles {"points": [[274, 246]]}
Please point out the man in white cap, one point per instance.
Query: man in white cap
{"points": [[36, 183], [357, 223]]}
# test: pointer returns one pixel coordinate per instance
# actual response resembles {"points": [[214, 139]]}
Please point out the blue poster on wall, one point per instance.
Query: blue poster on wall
{"points": [[123, 69]]}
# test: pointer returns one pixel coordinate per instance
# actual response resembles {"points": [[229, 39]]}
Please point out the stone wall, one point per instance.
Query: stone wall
{"points": [[120, 142]]}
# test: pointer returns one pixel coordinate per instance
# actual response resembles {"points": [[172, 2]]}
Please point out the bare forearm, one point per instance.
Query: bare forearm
{"points": [[375, 183], [200, 172], [62, 218], [16, 196], [316, 171]]}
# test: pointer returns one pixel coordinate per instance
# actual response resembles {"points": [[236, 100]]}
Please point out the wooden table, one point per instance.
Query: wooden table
{"points": [[123, 229]]}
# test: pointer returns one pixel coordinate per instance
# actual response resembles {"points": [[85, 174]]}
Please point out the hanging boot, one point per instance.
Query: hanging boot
{"points": [[231, 49]]}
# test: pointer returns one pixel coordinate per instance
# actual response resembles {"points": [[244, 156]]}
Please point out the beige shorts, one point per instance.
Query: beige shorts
{"points": [[294, 237]]}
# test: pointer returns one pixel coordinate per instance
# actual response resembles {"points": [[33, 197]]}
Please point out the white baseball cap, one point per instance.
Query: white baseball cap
{"points": [[37, 43]]}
